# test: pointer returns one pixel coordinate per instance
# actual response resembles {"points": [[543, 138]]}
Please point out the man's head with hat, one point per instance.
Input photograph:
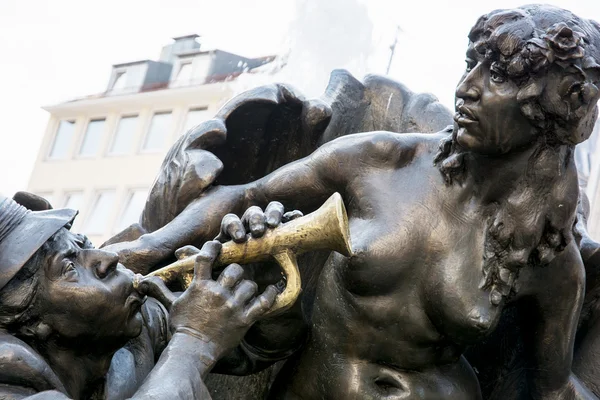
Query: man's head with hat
{"points": [[23, 232], [54, 284]]}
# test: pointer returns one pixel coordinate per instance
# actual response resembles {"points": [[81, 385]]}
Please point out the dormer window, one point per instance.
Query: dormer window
{"points": [[185, 72], [120, 80]]}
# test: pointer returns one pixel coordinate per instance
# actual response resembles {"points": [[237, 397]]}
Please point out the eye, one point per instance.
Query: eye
{"points": [[497, 76], [70, 271]]}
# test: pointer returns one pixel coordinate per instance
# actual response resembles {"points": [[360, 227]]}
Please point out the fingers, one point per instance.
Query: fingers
{"points": [[273, 213], [153, 286], [254, 219], [185, 252], [290, 215], [230, 276], [232, 228], [244, 292], [261, 304], [205, 260]]}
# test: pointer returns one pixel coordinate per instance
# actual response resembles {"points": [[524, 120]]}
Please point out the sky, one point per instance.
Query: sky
{"points": [[55, 50]]}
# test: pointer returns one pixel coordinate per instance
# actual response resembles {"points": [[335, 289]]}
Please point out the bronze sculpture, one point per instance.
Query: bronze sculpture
{"points": [[71, 323], [464, 251], [448, 241]]}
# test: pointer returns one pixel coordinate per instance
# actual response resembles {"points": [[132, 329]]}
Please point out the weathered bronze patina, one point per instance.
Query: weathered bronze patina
{"points": [[72, 325], [463, 246], [469, 263]]}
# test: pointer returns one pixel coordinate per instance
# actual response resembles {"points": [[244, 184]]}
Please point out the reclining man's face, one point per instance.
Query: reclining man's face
{"points": [[86, 293]]}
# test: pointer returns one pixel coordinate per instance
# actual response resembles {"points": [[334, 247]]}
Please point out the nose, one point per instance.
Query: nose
{"points": [[469, 87], [103, 262]]}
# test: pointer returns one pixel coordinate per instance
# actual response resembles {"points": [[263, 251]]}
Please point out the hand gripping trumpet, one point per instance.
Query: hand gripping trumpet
{"points": [[323, 229]]}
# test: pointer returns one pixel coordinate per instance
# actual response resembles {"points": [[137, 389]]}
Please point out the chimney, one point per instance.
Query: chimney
{"points": [[180, 45]]}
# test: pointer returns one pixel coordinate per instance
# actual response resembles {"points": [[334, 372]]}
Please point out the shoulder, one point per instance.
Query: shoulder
{"points": [[381, 147], [561, 282], [568, 268], [21, 365]]}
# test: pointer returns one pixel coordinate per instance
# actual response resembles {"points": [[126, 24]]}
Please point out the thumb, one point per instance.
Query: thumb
{"points": [[153, 286], [205, 260], [185, 252]]}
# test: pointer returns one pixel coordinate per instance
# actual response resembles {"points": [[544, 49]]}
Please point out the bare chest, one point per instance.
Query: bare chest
{"points": [[418, 259]]}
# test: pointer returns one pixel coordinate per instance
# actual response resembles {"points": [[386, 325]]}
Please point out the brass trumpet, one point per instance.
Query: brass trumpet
{"points": [[323, 229]]}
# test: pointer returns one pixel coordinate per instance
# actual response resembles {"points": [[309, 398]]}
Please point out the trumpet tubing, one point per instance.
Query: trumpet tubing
{"points": [[324, 229]]}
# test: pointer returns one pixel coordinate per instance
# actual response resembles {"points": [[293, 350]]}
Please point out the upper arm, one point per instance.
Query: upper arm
{"points": [[555, 305], [331, 168]]}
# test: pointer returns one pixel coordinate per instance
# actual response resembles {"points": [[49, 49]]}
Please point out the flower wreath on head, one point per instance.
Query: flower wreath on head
{"points": [[558, 45]]}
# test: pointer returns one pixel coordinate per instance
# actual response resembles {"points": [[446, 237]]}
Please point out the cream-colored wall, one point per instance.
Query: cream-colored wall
{"points": [[593, 188], [121, 173]]}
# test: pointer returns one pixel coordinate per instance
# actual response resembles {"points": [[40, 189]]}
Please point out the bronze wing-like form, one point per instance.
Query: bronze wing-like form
{"points": [[264, 128]]}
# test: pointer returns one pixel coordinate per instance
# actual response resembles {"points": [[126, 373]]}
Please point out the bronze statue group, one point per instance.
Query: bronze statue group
{"points": [[471, 274]]}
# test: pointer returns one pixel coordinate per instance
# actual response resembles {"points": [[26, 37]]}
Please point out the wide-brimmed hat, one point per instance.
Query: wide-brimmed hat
{"points": [[23, 232]]}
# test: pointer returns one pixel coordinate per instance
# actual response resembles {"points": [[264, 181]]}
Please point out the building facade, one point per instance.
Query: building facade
{"points": [[100, 154], [589, 170]]}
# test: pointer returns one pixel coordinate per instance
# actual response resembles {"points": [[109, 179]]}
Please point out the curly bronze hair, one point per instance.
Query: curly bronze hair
{"points": [[528, 41]]}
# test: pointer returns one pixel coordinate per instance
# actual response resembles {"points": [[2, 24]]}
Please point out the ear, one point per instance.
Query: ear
{"points": [[40, 331], [578, 92]]}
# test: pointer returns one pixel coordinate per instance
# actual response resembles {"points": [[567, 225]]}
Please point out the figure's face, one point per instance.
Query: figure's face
{"points": [[488, 115], [86, 293]]}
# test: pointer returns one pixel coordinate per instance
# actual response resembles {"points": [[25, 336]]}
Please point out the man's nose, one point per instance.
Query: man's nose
{"points": [[469, 87], [103, 262]]}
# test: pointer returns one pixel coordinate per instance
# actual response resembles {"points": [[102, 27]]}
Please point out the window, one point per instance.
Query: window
{"points": [[73, 200], [124, 135], [133, 209], [92, 139], [120, 81], [158, 131], [62, 140], [201, 67], [185, 72], [194, 117], [97, 220]]}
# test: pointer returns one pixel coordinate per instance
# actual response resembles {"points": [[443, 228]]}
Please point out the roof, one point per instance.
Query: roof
{"points": [[193, 52], [131, 63], [192, 36], [215, 78]]}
